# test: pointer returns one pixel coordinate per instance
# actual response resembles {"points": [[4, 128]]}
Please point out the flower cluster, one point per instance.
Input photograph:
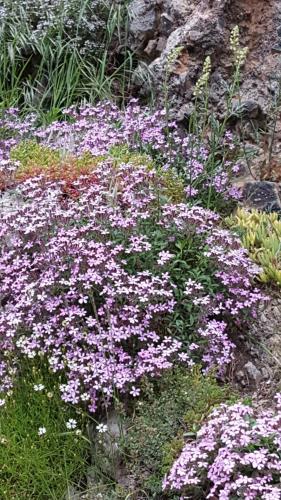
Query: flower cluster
{"points": [[84, 284], [236, 455], [12, 130], [231, 296], [67, 291], [98, 129]]}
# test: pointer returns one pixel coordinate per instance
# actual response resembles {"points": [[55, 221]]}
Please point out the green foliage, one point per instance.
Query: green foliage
{"points": [[122, 154], [30, 153], [261, 234], [207, 130], [172, 186], [49, 60], [33, 466], [171, 410]]}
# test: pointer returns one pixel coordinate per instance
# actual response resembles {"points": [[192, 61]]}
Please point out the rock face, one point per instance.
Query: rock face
{"points": [[201, 28]]}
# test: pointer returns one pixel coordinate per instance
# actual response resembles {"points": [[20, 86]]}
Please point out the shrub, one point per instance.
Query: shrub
{"points": [[168, 411], [260, 233], [236, 455], [31, 154], [12, 130], [34, 159], [79, 21], [110, 287]]}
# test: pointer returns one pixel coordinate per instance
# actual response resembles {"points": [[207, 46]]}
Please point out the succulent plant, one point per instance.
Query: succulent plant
{"points": [[261, 234]]}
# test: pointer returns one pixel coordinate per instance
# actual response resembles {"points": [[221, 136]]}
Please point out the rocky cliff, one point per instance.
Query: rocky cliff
{"points": [[202, 28]]}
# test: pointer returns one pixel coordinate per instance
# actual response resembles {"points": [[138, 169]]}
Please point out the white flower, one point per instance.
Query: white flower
{"points": [[164, 257], [71, 424], [39, 387], [78, 432], [42, 431], [2, 402], [85, 396], [101, 428]]}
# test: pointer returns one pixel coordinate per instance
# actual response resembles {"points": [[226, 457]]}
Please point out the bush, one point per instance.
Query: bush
{"points": [[13, 129], [35, 160], [260, 233], [170, 410], [82, 22], [110, 287], [236, 455]]}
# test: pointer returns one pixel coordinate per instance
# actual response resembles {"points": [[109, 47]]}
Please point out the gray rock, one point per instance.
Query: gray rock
{"points": [[143, 23], [252, 372], [114, 432], [262, 195], [248, 110], [166, 24], [10, 201], [106, 442], [264, 340]]}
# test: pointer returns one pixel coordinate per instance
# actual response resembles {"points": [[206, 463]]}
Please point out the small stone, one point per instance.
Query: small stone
{"points": [[248, 109], [262, 195], [265, 373], [161, 44], [184, 114], [241, 378], [151, 48], [252, 371]]}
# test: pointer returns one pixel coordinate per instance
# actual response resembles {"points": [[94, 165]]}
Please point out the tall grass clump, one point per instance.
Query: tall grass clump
{"points": [[56, 54]]}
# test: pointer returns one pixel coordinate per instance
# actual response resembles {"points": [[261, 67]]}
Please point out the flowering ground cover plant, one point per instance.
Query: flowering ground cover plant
{"points": [[236, 455], [98, 129], [106, 287], [13, 128], [122, 298], [102, 129]]}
